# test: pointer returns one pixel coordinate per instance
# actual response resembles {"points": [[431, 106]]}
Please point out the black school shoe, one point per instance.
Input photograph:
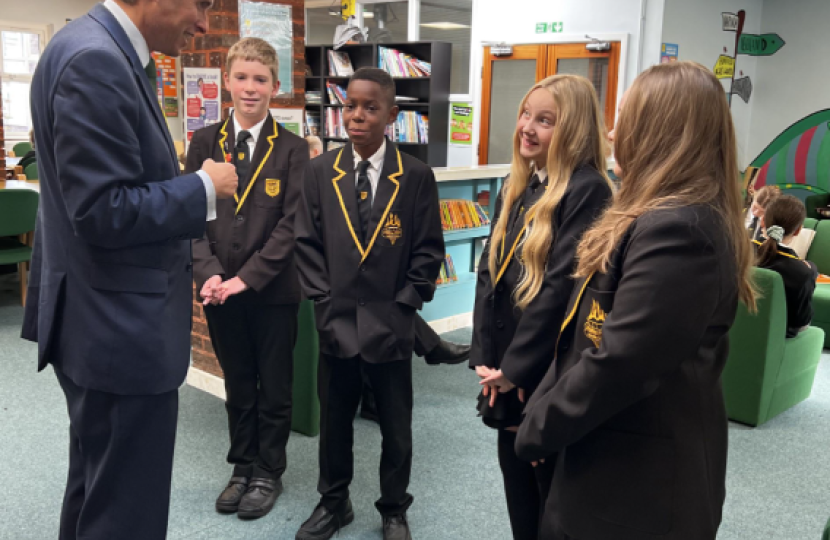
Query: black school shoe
{"points": [[228, 500], [260, 498], [448, 353], [396, 528], [323, 523]]}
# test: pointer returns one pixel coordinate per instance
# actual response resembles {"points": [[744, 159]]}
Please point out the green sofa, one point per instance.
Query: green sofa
{"points": [[820, 254], [765, 373]]}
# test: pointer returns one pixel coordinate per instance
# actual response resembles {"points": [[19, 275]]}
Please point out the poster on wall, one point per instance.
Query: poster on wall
{"points": [[669, 53], [202, 98], [167, 76], [271, 22], [291, 119], [461, 124]]}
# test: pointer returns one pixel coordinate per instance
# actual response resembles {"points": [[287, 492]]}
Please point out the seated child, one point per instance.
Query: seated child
{"points": [[754, 216], [782, 222]]}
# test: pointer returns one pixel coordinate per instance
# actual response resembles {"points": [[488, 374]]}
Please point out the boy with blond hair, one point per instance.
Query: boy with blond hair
{"points": [[244, 272]]}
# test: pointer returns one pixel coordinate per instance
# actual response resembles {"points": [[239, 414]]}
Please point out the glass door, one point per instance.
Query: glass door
{"points": [[505, 81]]}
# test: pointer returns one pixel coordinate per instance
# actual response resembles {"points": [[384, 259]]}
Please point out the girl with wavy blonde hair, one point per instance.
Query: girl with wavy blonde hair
{"points": [[556, 188]]}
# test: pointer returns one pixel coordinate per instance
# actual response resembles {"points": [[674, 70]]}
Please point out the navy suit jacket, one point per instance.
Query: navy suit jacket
{"points": [[110, 291]]}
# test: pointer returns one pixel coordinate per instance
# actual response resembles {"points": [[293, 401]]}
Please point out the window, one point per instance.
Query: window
{"points": [[320, 23], [450, 20], [387, 21], [20, 51]]}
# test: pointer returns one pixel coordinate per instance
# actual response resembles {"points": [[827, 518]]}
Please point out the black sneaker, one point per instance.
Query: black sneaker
{"points": [[323, 523]]}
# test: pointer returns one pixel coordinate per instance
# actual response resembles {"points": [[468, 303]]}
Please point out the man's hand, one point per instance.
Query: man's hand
{"points": [[223, 176], [209, 290], [231, 287]]}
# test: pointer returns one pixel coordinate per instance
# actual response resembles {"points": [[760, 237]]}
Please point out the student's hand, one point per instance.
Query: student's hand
{"points": [[208, 292], [231, 287], [498, 380], [483, 371], [223, 176]]}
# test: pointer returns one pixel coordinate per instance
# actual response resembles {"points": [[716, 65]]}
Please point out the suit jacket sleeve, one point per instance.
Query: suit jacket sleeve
{"points": [[309, 250], [205, 263], [109, 199], [276, 254], [666, 297], [427, 246], [481, 353], [531, 350]]}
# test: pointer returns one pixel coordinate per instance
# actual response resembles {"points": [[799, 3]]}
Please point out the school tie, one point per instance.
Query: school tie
{"points": [[534, 183], [242, 158], [150, 70], [364, 197]]}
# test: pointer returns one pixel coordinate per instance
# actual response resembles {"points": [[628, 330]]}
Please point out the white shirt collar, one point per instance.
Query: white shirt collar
{"points": [[376, 161], [542, 174], [136, 39], [254, 131]]}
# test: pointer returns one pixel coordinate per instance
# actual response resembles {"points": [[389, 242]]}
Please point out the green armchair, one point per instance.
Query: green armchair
{"points": [[766, 374]]}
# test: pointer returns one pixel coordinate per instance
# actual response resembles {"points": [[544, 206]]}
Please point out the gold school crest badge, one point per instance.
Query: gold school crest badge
{"points": [[392, 229], [593, 325], [272, 187]]}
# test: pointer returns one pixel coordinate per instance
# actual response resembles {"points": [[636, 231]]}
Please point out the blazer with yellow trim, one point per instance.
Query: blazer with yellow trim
{"points": [[799, 279], [519, 343], [632, 408], [366, 296], [256, 242]]}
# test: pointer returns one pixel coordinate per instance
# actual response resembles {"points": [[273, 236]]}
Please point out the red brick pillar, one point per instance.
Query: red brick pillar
{"points": [[211, 50]]}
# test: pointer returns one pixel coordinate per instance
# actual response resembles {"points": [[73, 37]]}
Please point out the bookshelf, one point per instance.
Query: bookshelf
{"points": [[453, 302], [431, 93]]}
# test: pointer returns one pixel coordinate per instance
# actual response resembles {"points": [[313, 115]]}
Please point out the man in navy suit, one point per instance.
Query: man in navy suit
{"points": [[110, 293]]}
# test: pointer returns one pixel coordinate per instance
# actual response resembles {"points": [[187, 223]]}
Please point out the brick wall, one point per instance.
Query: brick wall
{"points": [[210, 50]]}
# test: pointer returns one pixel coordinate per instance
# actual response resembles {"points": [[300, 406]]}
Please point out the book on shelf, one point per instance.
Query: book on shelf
{"points": [[462, 214], [337, 94], [484, 201], [340, 65], [312, 123], [331, 145], [409, 127], [334, 124], [447, 273], [313, 97], [400, 64]]}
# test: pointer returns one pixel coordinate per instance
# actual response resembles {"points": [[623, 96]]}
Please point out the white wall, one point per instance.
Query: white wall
{"points": [[514, 22], [793, 82], [696, 27]]}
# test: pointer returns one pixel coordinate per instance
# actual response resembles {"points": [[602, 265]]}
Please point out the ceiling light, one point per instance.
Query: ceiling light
{"points": [[445, 25]]}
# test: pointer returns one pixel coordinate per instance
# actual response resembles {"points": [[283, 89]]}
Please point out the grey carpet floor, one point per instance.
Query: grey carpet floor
{"points": [[778, 481]]}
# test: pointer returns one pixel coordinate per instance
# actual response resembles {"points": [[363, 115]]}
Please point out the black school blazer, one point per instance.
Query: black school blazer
{"points": [[365, 296], [254, 240], [632, 408]]}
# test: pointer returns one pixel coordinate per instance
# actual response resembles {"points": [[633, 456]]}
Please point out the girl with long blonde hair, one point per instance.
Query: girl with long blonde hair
{"points": [[632, 411], [556, 188]]}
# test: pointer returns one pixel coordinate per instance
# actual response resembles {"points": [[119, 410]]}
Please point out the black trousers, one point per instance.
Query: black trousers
{"points": [[339, 388], [120, 464], [426, 338], [255, 347], [526, 488]]}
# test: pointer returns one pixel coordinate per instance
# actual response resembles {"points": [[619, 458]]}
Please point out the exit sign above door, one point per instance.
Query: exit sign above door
{"points": [[553, 27]]}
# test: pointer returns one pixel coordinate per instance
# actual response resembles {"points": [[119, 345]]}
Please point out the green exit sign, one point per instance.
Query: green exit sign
{"points": [[552, 27]]}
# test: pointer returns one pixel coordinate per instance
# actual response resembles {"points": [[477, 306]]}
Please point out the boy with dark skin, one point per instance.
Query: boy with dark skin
{"points": [[369, 248]]}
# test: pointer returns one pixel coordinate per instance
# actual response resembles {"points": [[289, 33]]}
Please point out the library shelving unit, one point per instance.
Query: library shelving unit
{"points": [[431, 93], [457, 299]]}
